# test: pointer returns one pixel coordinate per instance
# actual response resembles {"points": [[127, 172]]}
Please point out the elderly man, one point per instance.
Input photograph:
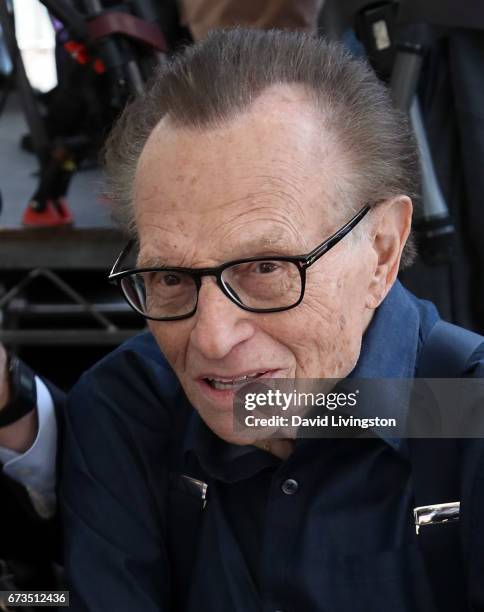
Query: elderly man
{"points": [[267, 183]]}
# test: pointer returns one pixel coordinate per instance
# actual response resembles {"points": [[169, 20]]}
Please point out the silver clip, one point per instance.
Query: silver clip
{"points": [[201, 486], [436, 514]]}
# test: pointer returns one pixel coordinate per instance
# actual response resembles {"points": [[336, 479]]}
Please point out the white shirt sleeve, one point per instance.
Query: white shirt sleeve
{"points": [[36, 468]]}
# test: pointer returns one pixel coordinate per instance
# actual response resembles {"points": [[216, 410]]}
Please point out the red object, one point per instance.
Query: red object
{"points": [[55, 214], [98, 66], [78, 51]]}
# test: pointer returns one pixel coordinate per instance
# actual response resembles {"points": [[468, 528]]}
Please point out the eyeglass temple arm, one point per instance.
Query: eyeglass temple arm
{"points": [[333, 240], [119, 258]]}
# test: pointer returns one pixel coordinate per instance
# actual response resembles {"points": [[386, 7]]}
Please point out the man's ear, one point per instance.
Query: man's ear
{"points": [[390, 230]]}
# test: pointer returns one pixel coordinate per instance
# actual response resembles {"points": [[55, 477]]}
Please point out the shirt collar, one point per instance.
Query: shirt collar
{"points": [[390, 344], [389, 350]]}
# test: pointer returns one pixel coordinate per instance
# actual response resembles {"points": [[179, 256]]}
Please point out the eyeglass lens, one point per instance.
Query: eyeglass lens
{"points": [[262, 285]]}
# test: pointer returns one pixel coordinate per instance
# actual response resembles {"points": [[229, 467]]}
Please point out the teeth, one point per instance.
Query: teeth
{"points": [[216, 384], [230, 384]]}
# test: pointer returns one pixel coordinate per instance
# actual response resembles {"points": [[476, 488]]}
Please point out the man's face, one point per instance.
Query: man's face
{"points": [[266, 183]]}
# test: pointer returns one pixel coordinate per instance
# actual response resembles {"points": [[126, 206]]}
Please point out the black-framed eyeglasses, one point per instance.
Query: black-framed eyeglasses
{"points": [[256, 284]]}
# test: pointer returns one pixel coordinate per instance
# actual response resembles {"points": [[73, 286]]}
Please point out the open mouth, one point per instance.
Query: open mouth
{"points": [[225, 384]]}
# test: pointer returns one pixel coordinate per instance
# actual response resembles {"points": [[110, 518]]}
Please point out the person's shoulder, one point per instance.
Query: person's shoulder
{"points": [[132, 361], [460, 351], [133, 382], [143, 344], [456, 335]]}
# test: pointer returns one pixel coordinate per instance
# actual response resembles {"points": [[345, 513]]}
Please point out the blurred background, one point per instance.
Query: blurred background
{"points": [[67, 67]]}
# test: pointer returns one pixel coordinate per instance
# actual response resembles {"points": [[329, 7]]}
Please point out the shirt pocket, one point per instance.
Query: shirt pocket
{"points": [[393, 580]]}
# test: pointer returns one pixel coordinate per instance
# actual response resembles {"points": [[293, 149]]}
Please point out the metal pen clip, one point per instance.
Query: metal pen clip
{"points": [[436, 514]]}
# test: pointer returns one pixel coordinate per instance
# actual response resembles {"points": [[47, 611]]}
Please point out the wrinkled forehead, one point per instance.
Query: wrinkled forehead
{"points": [[271, 172]]}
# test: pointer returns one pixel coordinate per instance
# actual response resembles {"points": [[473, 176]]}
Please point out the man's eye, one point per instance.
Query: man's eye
{"points": [[266, 267], [170, 280]]}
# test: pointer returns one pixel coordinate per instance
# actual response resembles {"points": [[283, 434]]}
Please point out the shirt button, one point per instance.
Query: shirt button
{"points": [[290, 486]]}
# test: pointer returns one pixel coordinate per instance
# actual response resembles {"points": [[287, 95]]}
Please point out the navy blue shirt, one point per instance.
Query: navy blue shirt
{"points": [[330, 529]]}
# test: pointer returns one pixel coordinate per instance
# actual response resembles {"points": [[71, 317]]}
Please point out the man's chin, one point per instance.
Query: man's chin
{"points": [[220, 417]]}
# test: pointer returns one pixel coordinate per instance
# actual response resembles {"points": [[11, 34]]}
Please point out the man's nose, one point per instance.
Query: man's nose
{"points": [[219, 324]]}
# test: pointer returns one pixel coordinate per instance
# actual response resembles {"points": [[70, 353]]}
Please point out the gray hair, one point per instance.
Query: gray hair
{"points": [[210, 82]]}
